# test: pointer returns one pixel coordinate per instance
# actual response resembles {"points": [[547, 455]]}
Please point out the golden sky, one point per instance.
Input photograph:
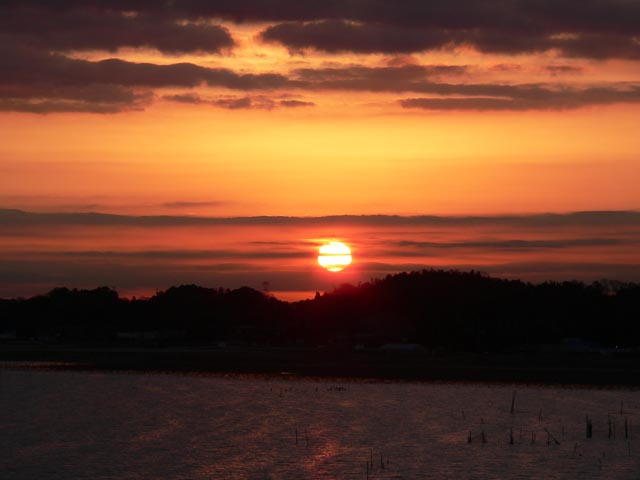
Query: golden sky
{"points": [[251, 108]]}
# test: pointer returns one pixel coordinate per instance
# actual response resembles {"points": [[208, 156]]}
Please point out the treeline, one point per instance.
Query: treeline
{"points": [[438, 309]]}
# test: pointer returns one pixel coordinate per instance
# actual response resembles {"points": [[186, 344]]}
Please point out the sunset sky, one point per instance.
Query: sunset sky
{"points": [[224, 141]]}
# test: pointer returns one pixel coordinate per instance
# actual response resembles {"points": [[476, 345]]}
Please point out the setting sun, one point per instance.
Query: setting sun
{"points": [[334, 256]]}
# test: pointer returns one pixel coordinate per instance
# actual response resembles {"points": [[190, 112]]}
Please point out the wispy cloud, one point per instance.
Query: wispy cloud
{"points": [[516, 245], [184, 204]]}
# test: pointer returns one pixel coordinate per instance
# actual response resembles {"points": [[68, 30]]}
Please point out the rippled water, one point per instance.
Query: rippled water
{"points": [[95, 425]]}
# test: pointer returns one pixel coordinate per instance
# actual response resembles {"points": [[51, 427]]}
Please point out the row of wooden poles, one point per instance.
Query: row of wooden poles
{"points": [[370, 466], [628, 427]]}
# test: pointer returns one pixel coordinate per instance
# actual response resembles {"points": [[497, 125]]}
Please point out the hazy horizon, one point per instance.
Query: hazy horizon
{"points": [[138, 255]]}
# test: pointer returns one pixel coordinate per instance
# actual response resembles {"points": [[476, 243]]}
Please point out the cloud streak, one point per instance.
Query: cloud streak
{"points": [[255, 102], [13, 218], [515, 245], [39, 82], [521, 98]]}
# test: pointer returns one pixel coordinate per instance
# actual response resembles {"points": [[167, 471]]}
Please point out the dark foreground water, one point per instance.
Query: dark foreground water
{"points": [[101, 425]]}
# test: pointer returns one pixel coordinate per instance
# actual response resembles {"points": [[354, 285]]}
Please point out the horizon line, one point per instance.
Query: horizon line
{"points": [[14, 215]]}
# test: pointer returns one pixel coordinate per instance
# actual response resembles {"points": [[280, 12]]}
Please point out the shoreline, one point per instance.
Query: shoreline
{"points": [[514, 368]]}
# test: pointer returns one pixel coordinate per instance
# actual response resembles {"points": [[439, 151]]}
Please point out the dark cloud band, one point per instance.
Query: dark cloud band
{"points": [[335, 36], [586, 28], [85, 28], [16, 218]]}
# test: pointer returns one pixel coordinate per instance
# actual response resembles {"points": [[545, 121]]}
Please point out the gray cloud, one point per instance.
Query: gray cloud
{"points": [[562, 69], [42, 98], [518, 98], [335, 36], [168, 255], [192, 98], [183, 204], [30, 67], [512, 15], [86, 28], [295, 103], [237, 103], [383, 76], [35, 81], [590, 28], [585, 28], [66, 106], [258, 102], [466, 96], [255, 102], [514, 245]]}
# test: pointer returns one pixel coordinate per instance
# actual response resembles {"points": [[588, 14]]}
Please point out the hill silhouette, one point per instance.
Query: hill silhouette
{"points": [[440, 310]]}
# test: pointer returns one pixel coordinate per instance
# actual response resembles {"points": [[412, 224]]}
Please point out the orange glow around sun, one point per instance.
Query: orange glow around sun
{"points": [[334, 256]]}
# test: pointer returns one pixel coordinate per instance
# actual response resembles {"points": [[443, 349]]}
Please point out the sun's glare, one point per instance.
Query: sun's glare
{"points": [[334, 256]]}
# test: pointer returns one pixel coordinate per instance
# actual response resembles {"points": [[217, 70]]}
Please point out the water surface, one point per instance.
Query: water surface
{"points": [[103, 425]]}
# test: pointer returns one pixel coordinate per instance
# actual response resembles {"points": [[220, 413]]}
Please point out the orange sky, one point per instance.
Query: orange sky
{"points": [[297, 163], [303, 111]]}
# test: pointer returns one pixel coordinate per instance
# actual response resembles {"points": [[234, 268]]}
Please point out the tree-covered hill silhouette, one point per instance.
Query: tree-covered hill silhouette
{"points": [[450, 310]]}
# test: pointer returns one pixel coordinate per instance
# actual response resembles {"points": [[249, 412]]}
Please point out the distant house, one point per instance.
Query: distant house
{"points": [[151, 335], [8, 335], [580, 345], [403, 348], [572, 345]]}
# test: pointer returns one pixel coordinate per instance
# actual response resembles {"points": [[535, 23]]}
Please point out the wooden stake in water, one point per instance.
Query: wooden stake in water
{"points": [[483, 437], [589, 426], [513, 402], [511, 436], [626, 428], [550, 435]]}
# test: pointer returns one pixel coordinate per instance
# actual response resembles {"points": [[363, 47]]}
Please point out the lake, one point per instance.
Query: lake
{"points": [[59, 424]]}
